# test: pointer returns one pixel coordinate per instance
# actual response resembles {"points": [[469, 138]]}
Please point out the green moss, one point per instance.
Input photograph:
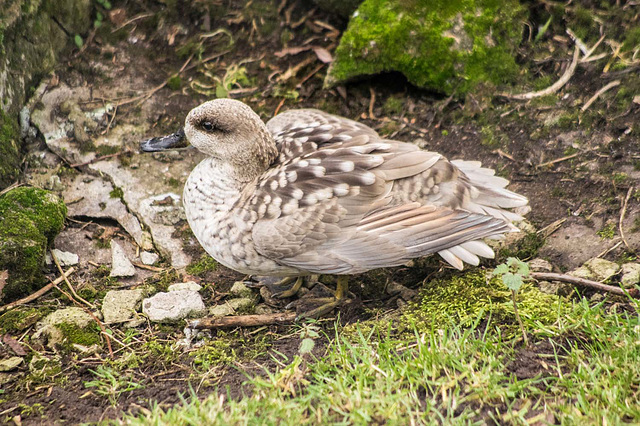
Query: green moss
{"points": [[17, 320], [464, 298], [174, 82], [106, 150], [607, 232], [85, 336], [205, 264], [116, 193], [440, 45], [526, 248], [393, 105], [30, 218], [10, 150]]}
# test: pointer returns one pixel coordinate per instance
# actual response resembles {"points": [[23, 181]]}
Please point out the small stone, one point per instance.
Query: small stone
{"points": [[263, 309], [232, 307], [120, 305], [64, 257], [189, 285], [120, 264], [630, 275], [10, 364], [239, 289], [405, 293], [148, 258], [601, 268], [555, 287], [583, 272], [540, 265], [173, 306]]}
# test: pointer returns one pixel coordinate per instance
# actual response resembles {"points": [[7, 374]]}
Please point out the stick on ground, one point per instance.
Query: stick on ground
{"points": [[550, 276], [38, 293], [280, 318]]}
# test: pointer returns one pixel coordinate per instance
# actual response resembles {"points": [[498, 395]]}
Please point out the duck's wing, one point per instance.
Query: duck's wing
{"points": [[301, 131], [369, 204]]}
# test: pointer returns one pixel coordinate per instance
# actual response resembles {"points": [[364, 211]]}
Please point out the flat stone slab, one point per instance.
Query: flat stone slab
{"points": [[173, 306], [120, 305], [121, 266]]}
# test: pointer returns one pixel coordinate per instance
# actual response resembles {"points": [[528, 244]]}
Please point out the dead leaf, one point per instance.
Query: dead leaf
{"points": [[14, 345], [323, 54]]}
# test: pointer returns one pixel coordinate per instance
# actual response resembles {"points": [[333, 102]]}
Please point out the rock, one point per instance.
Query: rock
{"points": [[596, 269], [232, 307], [189, 285], [31, 37], [30, 218], [148, 258], [263, 309], [630, 275], [10, 364], [438, 46], [173, 306], [405, 293], [120, 305], [540, 265], [240, 290], [92, 197], [64, 257], [555, 287], [67, 326], [120, 264]]}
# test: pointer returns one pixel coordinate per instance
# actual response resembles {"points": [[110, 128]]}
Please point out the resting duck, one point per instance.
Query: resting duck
{"points": [[314, 193]]}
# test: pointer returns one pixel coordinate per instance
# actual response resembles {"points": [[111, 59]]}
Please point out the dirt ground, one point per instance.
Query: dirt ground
{"points": [[575, 167]]}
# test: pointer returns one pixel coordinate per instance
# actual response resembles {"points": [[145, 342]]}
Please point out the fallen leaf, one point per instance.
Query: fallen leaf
{"points": [[323, 54], [14, 345]]}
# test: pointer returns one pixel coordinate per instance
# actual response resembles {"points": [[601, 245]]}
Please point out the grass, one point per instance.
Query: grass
{"points": [[585, 370]]}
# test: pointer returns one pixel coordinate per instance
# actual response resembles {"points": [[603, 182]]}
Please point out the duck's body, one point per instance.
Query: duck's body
{"points": [[313, 193]]}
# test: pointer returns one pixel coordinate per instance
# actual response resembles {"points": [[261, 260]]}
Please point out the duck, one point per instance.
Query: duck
{"points": [[311, 193]]}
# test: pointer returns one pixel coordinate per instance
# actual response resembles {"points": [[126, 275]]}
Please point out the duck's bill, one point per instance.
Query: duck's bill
{"points": [[172, 141]]}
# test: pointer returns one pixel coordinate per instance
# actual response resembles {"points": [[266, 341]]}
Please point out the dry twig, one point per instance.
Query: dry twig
{"points": [[558, 160], [38, 293], [591, 100], [623, 212], [555, 86], [243, 321], [550, 276]]}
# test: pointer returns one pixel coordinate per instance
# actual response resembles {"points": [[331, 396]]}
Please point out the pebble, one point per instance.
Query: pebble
{"points": [[232, 306], [630, 275], [10, 364], [120, 264], [239, 289], [173, 306], [120, 305], [64, 257], [189, 285], [148, 258]]}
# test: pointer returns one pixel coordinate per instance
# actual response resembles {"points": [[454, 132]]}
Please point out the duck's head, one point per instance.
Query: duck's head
{"points": [[225, 129]]}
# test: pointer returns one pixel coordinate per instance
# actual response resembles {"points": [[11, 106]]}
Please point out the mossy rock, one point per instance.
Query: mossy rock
{"points": [[445, 46], [32, 33], [30, 218]]}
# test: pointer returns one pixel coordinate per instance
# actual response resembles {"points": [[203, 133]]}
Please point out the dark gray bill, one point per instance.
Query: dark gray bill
{"points": [[175, 140]]}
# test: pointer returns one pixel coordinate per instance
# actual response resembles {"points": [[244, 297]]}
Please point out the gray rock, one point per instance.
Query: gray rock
{"points": [[120, 305], [148, 258], [239, 289], [630, 274], [189, 285], [263, 309], [596, 269], [173, 306], [555, 287], [405, 293], [10, 364], [540, 265], [232, 307], [120, 264], [64, 257]]}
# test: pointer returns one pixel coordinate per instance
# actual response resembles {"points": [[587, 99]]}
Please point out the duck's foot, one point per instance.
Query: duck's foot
{"points": [[282, 288], [321, 300]]}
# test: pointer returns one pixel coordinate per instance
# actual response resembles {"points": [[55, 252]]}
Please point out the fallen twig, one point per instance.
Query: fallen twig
{"points": [[243, 321], [550, 276], [591, 100], [147, 267], [38, 293], [372, 102], [555, 86], [623, 212], [558, 160]]}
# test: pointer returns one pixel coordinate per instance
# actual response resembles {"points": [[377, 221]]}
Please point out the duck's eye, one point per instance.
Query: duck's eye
{"points": [[208, 126]]}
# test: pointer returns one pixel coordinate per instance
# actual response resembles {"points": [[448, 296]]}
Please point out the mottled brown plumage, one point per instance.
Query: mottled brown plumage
{"points": [[313, 193]]}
